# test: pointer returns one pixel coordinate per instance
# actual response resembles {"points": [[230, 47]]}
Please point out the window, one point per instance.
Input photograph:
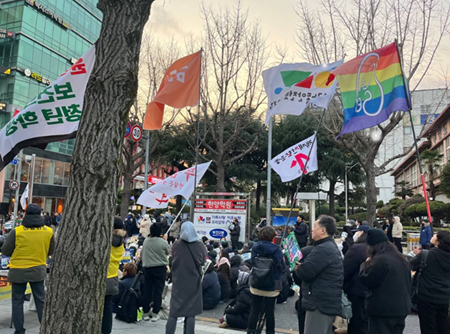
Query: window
{"points": [[47, 172], [66, 174], [414, 179], [447, 149], [407, 130]]}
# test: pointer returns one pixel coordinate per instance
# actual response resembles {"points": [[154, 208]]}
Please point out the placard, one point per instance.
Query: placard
{"points": [[292, 249]]}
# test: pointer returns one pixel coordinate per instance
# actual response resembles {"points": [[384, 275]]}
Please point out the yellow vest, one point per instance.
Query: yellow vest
{"points": [[31, 248], [114, 260]]}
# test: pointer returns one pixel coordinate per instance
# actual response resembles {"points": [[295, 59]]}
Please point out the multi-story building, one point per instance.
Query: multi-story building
{"points": [[39, 40]]}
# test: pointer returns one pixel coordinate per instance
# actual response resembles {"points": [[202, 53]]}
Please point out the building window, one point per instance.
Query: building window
{"points": [[407, 130], [447, 149], [414, 179]]}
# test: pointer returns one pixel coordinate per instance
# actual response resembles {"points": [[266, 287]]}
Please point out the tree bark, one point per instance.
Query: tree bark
{"points": [[371, 190], [220, 186], [74, 301], [331, 197]]}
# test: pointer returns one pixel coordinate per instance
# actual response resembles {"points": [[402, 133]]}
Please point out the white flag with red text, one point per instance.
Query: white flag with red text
{"points": [[180, 183], [290, 163], [153, 200]]}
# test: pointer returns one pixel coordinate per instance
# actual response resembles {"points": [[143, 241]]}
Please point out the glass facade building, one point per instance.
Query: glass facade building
{"points": [[39, 40]]}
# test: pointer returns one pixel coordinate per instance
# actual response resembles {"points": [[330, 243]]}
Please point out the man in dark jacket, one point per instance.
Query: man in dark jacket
{"points": [[235, 231], [28, 245], [322, 275], [47, 219], [301, 231]]}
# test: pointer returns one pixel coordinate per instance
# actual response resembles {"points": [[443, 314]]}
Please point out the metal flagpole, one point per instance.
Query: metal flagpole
{"points": [[147, 148], [419, 159], [31, 182], [194, 195], [269, 176], [301, 176], [179, 213], [19, 172]]}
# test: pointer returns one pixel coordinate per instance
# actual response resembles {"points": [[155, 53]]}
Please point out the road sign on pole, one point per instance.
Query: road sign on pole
{"points": [[128, 130], [136, 132], [14, 184]]}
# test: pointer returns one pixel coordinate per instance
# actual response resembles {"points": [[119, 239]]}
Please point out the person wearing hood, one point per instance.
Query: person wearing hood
{"points": [[238, 311], [28, 245], [224, 273], [188, 258], [355, 290], [154, 259], [264, 300], [144, 227], [301, 312], [112, 281], [434, 285], [387, 276], [426, 233], [210, 287], [397, 230]]}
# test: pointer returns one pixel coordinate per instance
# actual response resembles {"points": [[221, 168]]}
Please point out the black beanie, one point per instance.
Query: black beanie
{"points": [[118, 223], [33, 209], [155, 230], [376, 236]]}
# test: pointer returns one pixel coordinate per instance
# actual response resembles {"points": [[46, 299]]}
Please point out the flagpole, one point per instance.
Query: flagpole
{"points": [[179, 212], [419, 159], [19, 172], [147, 148], [194, 195], [269, 176], [301, 176]]}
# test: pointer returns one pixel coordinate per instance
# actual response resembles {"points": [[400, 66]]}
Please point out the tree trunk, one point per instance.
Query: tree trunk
{"points": [[258, 198], [331, 197], [371, 190], [220, 186], [75, 298], [126, 187]]}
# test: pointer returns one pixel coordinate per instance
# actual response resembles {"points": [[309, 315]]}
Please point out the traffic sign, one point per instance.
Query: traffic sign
{"points": [[127, 130], [136, 132], [14, 162], [14, 184]]}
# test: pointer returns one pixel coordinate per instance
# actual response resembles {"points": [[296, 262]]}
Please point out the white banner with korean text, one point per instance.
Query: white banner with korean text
{"points": [[216, 225], [53, 115]]}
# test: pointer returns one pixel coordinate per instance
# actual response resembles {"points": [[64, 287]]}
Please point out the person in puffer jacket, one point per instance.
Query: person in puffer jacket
{"points": [[237, 312], [210, 287], [112, 281], [235, 265]]}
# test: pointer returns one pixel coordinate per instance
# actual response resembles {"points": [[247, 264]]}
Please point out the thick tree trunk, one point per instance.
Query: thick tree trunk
{"points": [[74, 301], [126, 187], [258, 197], [371, 190], [220, 186], [331, 197]]}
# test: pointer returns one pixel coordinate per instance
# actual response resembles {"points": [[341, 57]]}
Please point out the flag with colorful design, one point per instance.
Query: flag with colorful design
{"points": [[290, 163], [372, 88], [290, 88]]}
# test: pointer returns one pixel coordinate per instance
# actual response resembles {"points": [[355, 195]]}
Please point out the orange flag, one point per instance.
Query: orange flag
{"points": [[179, 88]]}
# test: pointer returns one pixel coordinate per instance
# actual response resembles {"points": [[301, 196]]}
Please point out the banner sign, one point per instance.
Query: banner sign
{"points": [[54, 115], [6, 288], [221, 205], [293, 253], [216, 225]]}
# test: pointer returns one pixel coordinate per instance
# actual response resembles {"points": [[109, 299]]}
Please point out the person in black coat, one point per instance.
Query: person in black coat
{"points": [[434, 285], [301, 231], [322, 275], [237, 312], [224, 273], [235, 232], [286, 290], [210, 287], [235, 264], [355, 290], [387, 275], [348, 241], [387, 228], [301, 312], [129, 274]]}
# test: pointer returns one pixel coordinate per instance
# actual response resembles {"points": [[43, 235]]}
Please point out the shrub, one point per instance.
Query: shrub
{"points": [[379, 204], [359, 216], [438, 209], [411, 211], [323, 210], [417, 195], [410, 201], [340, 223]]}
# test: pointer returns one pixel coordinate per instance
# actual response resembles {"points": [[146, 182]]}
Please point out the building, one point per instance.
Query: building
{"points": [[426, 107], [435, 137], [39, 40]]}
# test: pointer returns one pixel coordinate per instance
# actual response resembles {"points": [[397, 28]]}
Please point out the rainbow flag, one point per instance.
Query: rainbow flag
{"points": [[372, 88]]}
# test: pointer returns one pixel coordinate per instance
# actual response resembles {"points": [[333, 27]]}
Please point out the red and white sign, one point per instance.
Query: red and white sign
{"points": [[221, 205], [153, 200], [136, 132], [153, 179]]}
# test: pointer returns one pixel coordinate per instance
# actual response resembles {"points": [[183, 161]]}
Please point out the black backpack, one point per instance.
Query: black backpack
{"points": [[129, 303], [262, 276]]}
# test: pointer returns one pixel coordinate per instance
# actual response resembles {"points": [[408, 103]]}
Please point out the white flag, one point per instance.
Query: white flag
{"points": [[181, 183], [53, 115], [153, 200], [290, 163], [23, 199], [291, 88]]}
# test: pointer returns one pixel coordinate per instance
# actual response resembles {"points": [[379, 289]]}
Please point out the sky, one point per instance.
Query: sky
{"points": [[182, 18]]}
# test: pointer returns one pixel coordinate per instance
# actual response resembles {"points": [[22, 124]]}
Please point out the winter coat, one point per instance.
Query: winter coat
{"points": [[165, 225], [434, 284], [301, 233], [225, 284], [112, 284], [175, 230], [48, 220], [235, 264], [322, 275], [125, 284], [388, 230], [238, 311], [285, 292], [144, 228], [211, 290], [353, 259], [186, 298], [425, 235], [268, 249], [235, 232], [397, 229], [388, 279]]}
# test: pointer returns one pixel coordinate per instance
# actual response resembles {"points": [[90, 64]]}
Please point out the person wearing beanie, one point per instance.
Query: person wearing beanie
{"points": [[426, 233], [154, 259], [387, 276], [28, 245], [112, 280]]}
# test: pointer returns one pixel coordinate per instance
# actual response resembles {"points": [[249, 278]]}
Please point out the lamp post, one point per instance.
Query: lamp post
{"points": [[347, 169]]}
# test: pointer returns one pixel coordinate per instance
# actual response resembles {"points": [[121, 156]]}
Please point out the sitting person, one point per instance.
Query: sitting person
{"points": [[235, 264], [212, 255], [237, 312], [211, 287], [216, 248], [129, 273], [224, 273], [246, 254], [416, 251]]}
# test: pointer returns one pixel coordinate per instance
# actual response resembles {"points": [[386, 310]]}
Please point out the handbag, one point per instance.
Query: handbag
{"points": [[416, 278], [346, 310]]}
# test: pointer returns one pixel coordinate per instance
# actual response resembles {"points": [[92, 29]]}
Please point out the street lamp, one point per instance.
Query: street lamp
{"points": [[347, 169]]}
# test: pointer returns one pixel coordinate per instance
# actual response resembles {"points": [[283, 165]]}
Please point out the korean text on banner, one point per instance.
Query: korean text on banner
{"points": [[290, 88], [289, 164], [293, 252], [153, 200], [53, 115]]}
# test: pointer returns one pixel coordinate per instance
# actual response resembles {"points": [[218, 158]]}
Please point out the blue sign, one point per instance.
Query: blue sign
{"points": [[218, 233], [127, 130], [281, 221], [14, 162]]}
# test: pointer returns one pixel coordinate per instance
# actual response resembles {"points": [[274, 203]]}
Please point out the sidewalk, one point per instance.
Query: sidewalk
{"points": [[119, 327]]}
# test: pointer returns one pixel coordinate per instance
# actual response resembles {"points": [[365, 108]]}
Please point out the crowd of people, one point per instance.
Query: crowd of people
{"points": [[177, 275]]}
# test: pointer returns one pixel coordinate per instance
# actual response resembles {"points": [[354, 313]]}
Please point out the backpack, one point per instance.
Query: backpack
{"points": [[262, 276], [416, 278], [128, 306]]}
